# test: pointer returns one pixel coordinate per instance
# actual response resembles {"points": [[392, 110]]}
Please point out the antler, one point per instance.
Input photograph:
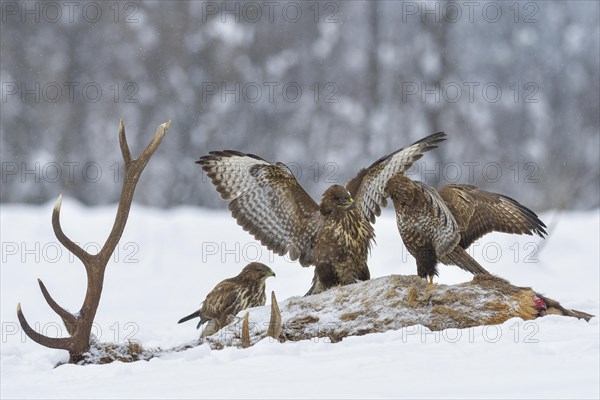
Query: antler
{"points": [[275, 322], [79, 326], [274, 329], [245, 332]]}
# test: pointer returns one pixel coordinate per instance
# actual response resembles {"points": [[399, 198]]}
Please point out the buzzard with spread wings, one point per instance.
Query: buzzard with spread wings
{"points": [[335, 236], [231, 296], [440, 226]]}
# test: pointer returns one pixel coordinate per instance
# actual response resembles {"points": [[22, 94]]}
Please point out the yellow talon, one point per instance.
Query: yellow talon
{"points": [[431, 279]]}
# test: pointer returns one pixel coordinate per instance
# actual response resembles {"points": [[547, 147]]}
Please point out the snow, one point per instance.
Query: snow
{"points": [[169, 259]]}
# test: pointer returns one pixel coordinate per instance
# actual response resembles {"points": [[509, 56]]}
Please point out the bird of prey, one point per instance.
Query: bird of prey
{"points": [[440, 226], [231, 296], [335, 236]]}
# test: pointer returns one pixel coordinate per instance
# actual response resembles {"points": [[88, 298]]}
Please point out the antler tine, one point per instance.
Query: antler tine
{"points": [[55, 343], [62, 238], [123, 143], [133, 170], [68, 318], [245, 332], [275, 323], [161, 131]]}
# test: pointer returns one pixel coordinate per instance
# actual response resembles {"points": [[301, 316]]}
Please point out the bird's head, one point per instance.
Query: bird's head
{"points": [[400, 189], [336, 197], [257, 271]]}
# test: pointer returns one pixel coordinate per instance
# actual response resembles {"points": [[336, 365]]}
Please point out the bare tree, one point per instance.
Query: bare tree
{"points": [[79, 325]]}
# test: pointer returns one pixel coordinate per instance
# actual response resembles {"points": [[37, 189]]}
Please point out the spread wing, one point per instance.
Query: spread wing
{"points": [[446, 234], [367, 187], [478, 212], [267, 201]]}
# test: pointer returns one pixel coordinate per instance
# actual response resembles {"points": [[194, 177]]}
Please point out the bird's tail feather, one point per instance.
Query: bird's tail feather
{"points": [[191, 316], [461, 258], [312, 288]]}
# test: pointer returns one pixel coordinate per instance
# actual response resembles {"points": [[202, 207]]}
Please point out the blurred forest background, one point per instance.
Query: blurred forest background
{"points": [[326, 87]]}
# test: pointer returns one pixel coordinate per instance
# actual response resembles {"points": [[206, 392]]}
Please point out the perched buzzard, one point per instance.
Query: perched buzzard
{"points": [[441, 226], [231, 296], [335, 235]]}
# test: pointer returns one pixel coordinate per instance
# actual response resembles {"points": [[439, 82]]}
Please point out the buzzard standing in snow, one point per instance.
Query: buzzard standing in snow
{"points": [[231, 296], [440, 226], [335, 236]]}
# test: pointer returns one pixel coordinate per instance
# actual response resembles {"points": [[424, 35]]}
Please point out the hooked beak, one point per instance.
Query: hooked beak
{"points": [[349, 203]]}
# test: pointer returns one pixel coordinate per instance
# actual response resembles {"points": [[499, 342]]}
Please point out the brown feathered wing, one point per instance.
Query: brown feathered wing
{"points": [[445, 231], [267, 201], [220, 303], [446, 234], [368, 185], [478, 212]]}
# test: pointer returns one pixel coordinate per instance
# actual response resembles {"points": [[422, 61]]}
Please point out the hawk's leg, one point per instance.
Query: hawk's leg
{"points": [[326, 275], [426, 262]]}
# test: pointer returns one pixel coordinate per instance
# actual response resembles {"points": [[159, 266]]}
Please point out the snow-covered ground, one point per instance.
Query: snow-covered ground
{"points": [[169, 259]]}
